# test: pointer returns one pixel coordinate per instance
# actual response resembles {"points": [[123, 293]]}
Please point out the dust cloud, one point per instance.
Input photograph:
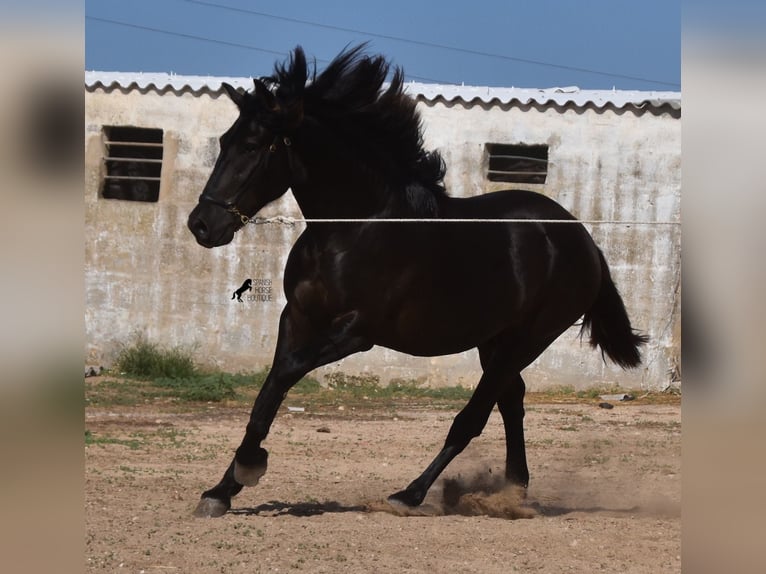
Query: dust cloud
{"points": [[480, 494]]}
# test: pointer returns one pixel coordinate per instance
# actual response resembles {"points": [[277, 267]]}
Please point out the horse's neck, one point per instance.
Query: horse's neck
{"points": [[338, 199], [344, 190], [331, 202]]}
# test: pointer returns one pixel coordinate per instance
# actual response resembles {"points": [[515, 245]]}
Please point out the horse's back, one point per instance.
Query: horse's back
{"points": [[569, 240], [505, 204]]}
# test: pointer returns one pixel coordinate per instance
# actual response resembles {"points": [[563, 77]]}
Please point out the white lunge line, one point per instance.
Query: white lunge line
{"points": [[284, 220]]}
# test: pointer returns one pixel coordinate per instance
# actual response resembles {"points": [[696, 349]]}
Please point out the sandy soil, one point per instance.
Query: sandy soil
{"points": [[605, 492]]}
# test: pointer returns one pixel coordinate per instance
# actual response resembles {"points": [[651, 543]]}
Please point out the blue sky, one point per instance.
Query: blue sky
{"points": [[594, 44]]}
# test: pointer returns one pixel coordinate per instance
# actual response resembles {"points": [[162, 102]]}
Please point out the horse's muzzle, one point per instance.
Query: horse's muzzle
{"points": [[207, 233]]}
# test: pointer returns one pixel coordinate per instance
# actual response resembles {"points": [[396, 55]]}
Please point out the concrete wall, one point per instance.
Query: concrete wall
{"points": [[145, 273]]}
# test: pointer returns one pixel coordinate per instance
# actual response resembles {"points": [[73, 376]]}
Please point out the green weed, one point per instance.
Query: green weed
{"points": [[147, 360], [91, 439], [306, 386], [214, 387], [568, 391], [369, 386]]}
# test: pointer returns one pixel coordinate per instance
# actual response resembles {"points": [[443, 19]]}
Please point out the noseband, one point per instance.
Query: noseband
{"points": [[231, 205]]}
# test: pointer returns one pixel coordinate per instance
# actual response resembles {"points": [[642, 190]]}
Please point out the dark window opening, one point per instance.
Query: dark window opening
{"points": [[517, 163], [133, 163]]}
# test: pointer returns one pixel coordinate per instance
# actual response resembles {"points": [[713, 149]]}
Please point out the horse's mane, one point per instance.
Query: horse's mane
{"points": [[350, 96]]}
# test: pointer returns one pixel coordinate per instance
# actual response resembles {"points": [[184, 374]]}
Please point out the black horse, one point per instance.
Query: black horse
{"points": [[350, 148]]}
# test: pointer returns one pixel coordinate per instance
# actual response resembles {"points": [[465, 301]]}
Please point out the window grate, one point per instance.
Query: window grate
{"points": [[517, 163], [133, 163]]}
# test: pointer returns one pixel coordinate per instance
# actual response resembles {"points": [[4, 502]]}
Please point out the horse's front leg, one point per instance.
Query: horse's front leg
{"points": [[300, 349]]}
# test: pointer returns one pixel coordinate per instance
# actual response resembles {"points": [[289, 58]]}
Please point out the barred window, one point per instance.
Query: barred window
{"points": [[517, 163], [133, 163]]}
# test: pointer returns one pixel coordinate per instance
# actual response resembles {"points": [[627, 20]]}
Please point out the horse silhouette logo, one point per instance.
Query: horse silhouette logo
{"points": [[246, 286]]}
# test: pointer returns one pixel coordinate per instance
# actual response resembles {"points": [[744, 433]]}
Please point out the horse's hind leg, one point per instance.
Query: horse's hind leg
{"points": [[510, 403], [468, 424], [511, 407], [502, 360]]}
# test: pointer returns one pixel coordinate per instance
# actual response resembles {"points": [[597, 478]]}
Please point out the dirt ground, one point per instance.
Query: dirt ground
{"points": [[605, 492]]}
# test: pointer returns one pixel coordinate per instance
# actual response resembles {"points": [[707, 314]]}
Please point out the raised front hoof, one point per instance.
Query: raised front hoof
{"points": [[406, 498], [211, 508]]}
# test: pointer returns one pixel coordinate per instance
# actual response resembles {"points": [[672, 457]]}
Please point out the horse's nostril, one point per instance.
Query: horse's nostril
{"points": [[198, 228]]}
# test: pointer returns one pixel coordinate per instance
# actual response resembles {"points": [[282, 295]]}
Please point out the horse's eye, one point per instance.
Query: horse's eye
{"points": [[251, 146]]}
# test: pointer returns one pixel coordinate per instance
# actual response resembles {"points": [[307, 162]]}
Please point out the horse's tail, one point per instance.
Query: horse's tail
{"points": [[609, 324], [233, 294]]}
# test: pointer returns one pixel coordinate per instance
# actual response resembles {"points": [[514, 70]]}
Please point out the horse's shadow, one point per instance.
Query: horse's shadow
{"points": [[277, 508]]}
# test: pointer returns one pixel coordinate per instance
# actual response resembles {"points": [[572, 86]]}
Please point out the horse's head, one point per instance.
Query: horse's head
{"points": [[254, 164]]}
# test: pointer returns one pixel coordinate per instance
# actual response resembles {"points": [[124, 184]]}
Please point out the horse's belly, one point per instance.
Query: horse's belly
{"points": [[443, 329]]}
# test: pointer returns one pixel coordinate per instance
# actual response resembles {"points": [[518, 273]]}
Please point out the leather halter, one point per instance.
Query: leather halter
{"points": [[231, 204]]}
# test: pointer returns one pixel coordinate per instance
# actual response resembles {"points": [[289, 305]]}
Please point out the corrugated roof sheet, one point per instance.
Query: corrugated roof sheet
{"points": [[562, 98]]}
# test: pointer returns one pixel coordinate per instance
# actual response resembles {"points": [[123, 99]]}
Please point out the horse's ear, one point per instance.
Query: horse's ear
{"points": [[237, 97], [264, 95]]}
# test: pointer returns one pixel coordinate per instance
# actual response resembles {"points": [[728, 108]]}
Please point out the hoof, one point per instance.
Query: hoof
{"points": [[211, 508], [248, 475], [405, 498]]}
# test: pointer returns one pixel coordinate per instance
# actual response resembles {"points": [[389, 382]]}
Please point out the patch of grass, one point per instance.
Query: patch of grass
{"points": [[369, 387], [149, 371], [146, 360], [568, 391], [398, 387], [91, 439], [216, 386], [306, 386], [561, 390], [568, 394], [115, 392], [213, 387], [203, 387], [354, 385], [152, 371]]}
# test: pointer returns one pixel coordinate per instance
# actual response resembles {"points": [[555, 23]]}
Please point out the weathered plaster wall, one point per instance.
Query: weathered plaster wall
{"points": [[145, 273]]}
